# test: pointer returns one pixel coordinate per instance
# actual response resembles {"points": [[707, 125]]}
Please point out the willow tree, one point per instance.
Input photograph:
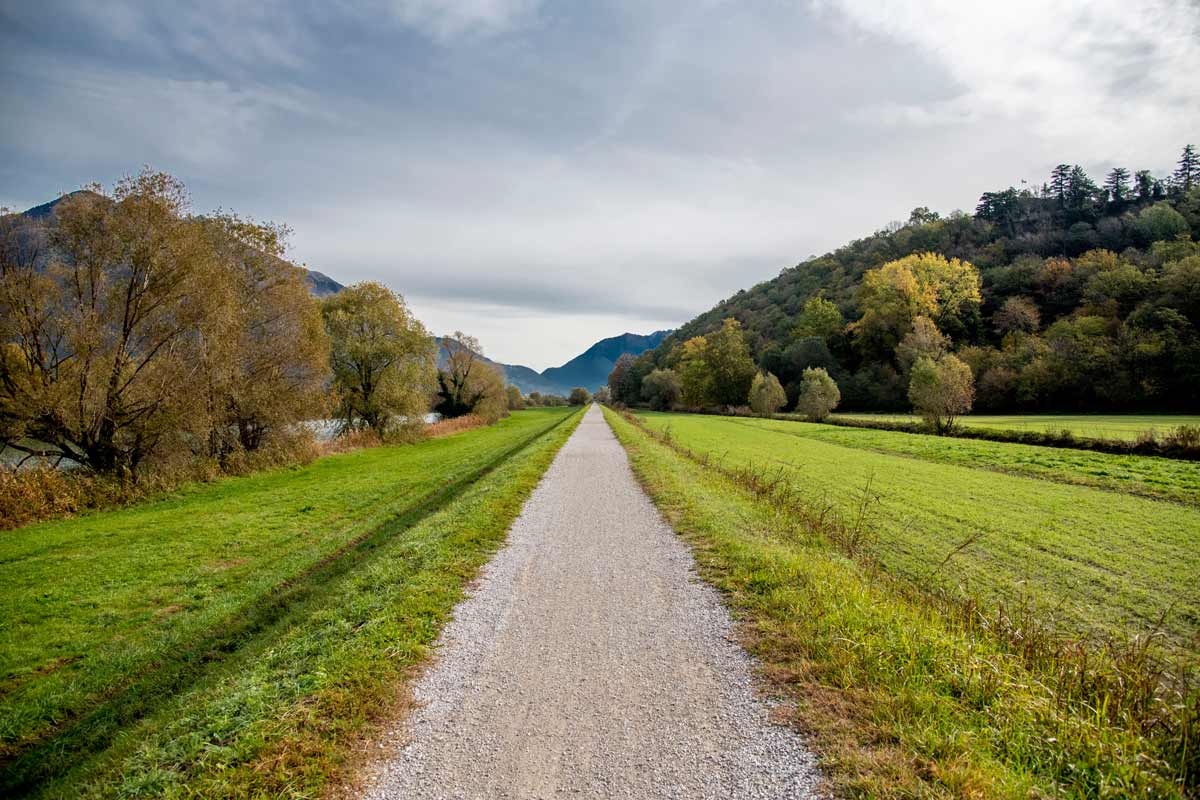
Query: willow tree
{"points": [[383, 359], [103, 314], [269, 368], [467, 383]]}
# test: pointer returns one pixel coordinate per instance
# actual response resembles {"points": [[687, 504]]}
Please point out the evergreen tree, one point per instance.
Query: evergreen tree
{"points": [[1117, 185], [1143, 183], [1059, 179], [1187, 174]]}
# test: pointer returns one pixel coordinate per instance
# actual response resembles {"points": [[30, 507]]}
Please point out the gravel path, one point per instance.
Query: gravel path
{"points": [[589, 661]]}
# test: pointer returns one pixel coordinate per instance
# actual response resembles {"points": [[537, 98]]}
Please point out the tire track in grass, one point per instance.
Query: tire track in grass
{"points": [[81, 733]]}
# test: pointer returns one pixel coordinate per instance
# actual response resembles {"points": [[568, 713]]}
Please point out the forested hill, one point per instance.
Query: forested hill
{"points": [[1086, 295]]}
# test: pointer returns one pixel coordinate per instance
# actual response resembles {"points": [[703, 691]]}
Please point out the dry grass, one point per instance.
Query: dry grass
{"points": [[447, 427]]}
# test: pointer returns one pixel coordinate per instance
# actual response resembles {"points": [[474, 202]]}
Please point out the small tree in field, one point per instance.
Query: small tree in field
{"points": [[941, 390], [579, 396], [766, 394], [819, 394], [661, 389]]}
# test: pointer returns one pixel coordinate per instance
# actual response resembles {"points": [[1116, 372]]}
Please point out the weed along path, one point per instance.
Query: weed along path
{"points": [[589, 661]]}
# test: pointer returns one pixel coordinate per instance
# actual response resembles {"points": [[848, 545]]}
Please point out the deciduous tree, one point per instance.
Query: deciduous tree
{"points": [[661, 389], [382, 357], [819, 394], [766, 394], [941, 390]]}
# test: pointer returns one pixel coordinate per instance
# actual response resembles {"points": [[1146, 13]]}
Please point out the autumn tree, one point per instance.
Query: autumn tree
{"points": [[579, 396], [621, 381], [920, 285], [466, 383], [819, 394], [102, 320], [603, 396], [516, 401], [695, 380], [382, 357], [661, 389], [941, 390], [730, 366], [1017, 315], [923, 340], [267, 368], [766, 394]]}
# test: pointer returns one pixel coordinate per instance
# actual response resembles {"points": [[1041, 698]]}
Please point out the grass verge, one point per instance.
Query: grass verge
{"points": [[902, 695], [294, 670]]}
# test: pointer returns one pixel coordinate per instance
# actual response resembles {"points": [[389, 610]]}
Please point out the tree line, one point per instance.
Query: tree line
{"points": [[134, 333], [1071, 295]]}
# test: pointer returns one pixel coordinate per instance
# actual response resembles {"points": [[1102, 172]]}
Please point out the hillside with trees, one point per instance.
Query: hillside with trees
{"points": [[1076, 294]]}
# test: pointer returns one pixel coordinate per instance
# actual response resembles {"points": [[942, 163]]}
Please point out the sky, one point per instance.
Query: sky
{"points": [[543, 175]]}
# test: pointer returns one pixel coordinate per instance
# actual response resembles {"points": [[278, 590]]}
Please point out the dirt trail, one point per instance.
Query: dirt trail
{"points": [[589, 661]]}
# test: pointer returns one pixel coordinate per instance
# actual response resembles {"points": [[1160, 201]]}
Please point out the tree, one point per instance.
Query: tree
{"points": [[268, 369], [921, 215], [382, 358], [1017, 315], [729, 363], [516, 401], [923, 340], [102, 321], [579, 396], [1059, 181], [466, 383], [819, 394], [1146, 186], [661, 389], [1187, 174], [941, 390], [819, 318], [622, 380], [1159, 222], [766, 394], [920, 285], [1117, 185], [695, 380], [603, 396]]}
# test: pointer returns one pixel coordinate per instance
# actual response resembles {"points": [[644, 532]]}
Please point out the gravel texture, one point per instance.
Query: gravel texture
{"points": [[589, 661]]}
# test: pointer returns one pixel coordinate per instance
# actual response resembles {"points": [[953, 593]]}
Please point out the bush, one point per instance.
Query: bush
{"points": [[579, 396], [819, 394], [766, 394]]}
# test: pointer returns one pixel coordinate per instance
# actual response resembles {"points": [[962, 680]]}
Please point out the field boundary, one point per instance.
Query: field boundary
{"points": [[84, 732]]}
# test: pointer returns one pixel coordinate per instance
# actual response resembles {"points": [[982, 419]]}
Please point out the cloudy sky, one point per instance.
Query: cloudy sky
{"points": [[546, 174]]}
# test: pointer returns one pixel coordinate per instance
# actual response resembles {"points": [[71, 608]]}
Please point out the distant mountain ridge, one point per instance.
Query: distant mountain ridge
{"points": [[589, 369], [319, 284]]}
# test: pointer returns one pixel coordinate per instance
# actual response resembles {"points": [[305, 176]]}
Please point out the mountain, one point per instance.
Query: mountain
{"points": [[320, 284], [589, 369], [1087, 299]]}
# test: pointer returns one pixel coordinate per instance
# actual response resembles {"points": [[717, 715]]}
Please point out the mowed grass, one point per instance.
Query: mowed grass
{"points": [[107, 617], [1148, 476], [902, 695], [1088, 426], [1100, 563]]}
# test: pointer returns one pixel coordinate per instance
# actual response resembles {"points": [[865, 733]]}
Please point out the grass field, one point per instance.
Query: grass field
{"points": [[1101, 561], [903, 693], [232, 637], [1089, 426]]}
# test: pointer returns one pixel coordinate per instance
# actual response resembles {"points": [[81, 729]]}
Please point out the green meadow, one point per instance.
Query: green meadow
{"points": [[1087, 426]]}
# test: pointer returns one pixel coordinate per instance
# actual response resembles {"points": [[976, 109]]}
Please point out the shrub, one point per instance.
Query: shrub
{"points": [[579, 396], [819, 394], [766, 394]]}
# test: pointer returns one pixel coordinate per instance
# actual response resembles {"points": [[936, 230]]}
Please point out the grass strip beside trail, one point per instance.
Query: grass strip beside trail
{"points": [[1087, 426], [251, 611], [900, 700]]}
